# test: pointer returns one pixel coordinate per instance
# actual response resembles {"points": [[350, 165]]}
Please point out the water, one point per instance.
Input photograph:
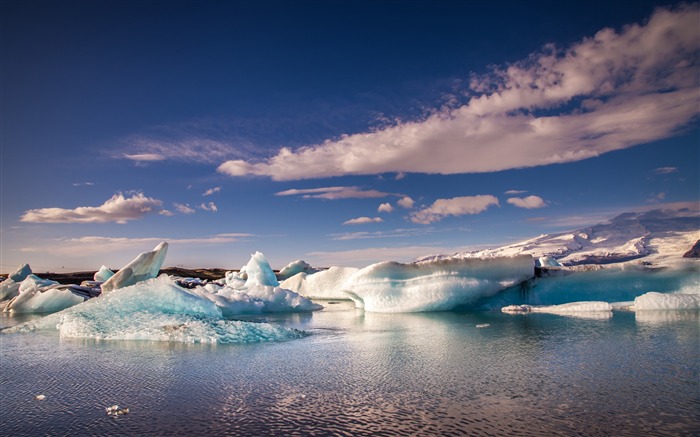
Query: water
{"points": [[369, 374]]}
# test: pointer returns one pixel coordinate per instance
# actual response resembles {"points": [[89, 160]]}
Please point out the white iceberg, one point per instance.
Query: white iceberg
{"points": [[434, 285], [294, 268], [260, 293], [667, 301], [326, 284], [103, 274], [38, 295], [9, 288], [588, 310], [145, 266], [156, 310]]}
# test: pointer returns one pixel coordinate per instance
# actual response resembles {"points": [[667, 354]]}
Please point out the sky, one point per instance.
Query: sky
{"points": [[337, 132]]}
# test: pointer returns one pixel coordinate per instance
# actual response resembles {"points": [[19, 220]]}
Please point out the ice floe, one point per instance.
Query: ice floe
{"points": [[667, 301]]}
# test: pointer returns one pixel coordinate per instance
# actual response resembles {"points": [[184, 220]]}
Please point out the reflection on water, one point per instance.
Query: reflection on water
{"points": [[362, 373]]}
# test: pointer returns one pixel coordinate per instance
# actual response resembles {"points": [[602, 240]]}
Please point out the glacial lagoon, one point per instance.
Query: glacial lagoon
{"points": [[362, 373]]}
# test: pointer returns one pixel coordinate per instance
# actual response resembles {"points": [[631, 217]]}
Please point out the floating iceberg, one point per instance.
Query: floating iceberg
{"points": [[156, 310], [145, 266], [294, 268], [593, 310], [103, 274], [260, 292], [434, 285], [667, 301], [9, 288], [38, 295], [326, 284]]}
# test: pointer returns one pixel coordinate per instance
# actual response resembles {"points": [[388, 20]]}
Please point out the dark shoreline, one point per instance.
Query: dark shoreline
{"points": [[78, 277]]}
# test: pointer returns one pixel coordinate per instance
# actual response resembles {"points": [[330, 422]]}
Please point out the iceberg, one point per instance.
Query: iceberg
{"points": [[434, 285], [9, 288], [38, 295], [145, 266], [294, 268], [667, 301], [155, 310], [589, 310], [103, 274], [326, 284], [260, 293]]}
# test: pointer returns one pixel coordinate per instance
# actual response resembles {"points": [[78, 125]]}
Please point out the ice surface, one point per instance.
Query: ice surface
{"points": [[667, 301], [259, 271], [157, 310], [434, 285], [294, 268], [145, 266], [326, 284], [103, 274]]}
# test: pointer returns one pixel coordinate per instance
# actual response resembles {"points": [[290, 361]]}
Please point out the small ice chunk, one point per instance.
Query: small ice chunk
{"points": [[294, 268], [567, 308], [103, 274], [40, 397]]}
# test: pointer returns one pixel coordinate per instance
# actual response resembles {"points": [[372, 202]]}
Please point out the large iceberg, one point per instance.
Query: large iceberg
{"points": [[434, 285], [157, 310], [326, 284], [145, 266]]}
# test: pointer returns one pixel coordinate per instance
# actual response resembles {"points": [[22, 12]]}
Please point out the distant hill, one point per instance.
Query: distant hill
{"points": [[656, 237]]}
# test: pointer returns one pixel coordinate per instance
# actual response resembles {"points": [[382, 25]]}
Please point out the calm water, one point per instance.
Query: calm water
{"points": [[361, 374]]}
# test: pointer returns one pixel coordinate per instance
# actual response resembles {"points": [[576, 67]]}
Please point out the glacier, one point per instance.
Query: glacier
{"points": [[434, 285]]}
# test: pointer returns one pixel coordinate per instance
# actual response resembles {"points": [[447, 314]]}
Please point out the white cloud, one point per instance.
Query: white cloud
{"points": [[457, 206], [83, 184], [529, 202], [189, 149], [108, 245], [514, 192], [211, 191], [363, 220], [406, 202], [665, 170], [145, 157], [183, 208], [608, 92], [211, 207], [333, 193], [385, 207], [116, 209]]}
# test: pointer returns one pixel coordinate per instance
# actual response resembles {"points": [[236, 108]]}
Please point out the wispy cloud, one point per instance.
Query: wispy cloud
{"points": [[211, 191], [529, 202], [363, 220], [210, 206], [189, 149], [183, 208], [456, 206], [514, 192], [144, 157], [608, 92], [106, 245], [395, 233], [118, 209], [665, 170], [334, 193], [83, 184]]}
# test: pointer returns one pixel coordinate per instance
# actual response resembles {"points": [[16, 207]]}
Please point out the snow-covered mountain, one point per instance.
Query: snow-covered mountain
{"points": [[658, 237]]}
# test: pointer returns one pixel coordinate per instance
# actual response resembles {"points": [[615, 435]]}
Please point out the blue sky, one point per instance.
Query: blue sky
{"points": [[338, 132]]}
